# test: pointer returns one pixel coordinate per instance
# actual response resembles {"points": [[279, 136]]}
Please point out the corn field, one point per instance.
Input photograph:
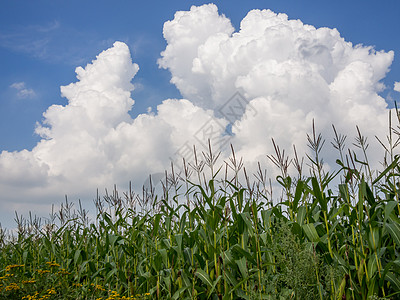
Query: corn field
{"points": [[329, 236]]}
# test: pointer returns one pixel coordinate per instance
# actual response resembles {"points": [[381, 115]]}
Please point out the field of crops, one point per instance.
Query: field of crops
{"points": [[329, 236]]}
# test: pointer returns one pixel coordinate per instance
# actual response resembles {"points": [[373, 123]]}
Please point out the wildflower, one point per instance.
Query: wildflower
{"points": [[29, 281], [52, 264], [8, 268], [99, 287], [114, 295], [31, 297], [41, 272], [63, 272], [12, 286]]}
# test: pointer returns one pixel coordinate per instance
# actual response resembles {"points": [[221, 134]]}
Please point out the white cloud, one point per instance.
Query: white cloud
{"points": [[92, 142], [22, 91], [289, 72], [397, 86], [186, 35]]}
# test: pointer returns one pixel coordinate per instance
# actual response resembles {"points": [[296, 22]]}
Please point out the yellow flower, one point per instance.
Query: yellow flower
{"points": [[41, 272], [31, 297], [99, 287], [12, 286], [29, 281], [8, 268], [52, 264], [63, 272]]}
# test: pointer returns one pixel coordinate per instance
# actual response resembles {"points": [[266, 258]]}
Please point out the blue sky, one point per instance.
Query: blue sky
{"points": [[42, 42], [287, 72]]}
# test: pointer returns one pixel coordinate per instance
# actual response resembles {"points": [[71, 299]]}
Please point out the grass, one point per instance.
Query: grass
{"points": [[218, 239]]}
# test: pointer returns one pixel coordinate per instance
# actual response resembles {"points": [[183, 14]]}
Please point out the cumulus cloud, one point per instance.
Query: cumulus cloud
{"points": [[273, 75], [290, 72], [22, 91], [92, 142]]}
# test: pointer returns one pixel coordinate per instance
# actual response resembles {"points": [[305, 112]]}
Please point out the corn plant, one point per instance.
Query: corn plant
{"points": [[220, 238]]}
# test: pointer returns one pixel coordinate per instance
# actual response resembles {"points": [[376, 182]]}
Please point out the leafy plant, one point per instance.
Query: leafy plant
{"points": [[218, 239]]}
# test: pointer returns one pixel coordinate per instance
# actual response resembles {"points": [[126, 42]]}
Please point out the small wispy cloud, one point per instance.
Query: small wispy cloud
{"points": [[51, 26], [52, 42], [22, 91], [397, 86], [33, 39]]}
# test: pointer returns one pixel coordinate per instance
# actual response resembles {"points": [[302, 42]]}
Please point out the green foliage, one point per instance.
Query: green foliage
{"points": [[217, 239]]}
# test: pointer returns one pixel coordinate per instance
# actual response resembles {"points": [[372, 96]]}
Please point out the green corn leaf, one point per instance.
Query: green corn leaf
{"points": [[113, 239], [318, 194], [242, 264], [247, 220], [297, 194], [372, 288], [397, 262], [178, 293], [231, 279], [238, 291], [311, 232], [164, 256], [187, 256], [166, 243], [394, 279], [266, 216], [83, 267], [179, 241], [301, 215], [264, 237], [389, 168], [239, 251], [394, 230], [111, 274], [200, 260], [214, 286], [157, 219], [372, 265], [374, 238], [338, 258], [185, 279], [240, 198], [342, 288], [204, 277], [344, 192], [389, 207], [228, 257], [77, 256]]}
